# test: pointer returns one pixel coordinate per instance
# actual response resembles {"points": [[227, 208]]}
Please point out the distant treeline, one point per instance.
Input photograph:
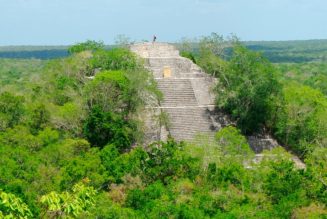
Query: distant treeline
{"points": [[292, 51], [284, 51], [37, 54], [276, 51]]}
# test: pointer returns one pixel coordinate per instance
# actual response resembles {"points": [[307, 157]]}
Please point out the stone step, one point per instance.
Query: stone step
{"points": [[192, 75], [194, 130], [177, 99], [187, 135], [178, 95], [196, 117], [171, 92], [175, 86], [185, 101], [174, 81], [176, 104], [188, 122], [192, 137], [199, 125]]}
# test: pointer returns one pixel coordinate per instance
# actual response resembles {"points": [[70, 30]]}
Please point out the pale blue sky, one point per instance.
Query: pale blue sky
{"points": [[62, 22]]}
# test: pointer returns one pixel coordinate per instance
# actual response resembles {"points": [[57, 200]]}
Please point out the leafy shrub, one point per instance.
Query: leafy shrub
{"points": [[69, 204], [11, 109], [115, 59], [301, 122], [39, 118], [13, 207], [188, 55], [89, 45], [109, 91], [233, 142], [248, 90], [102, 128], [167, 160]]}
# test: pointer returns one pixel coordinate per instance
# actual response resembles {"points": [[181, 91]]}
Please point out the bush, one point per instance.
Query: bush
{"points": [[89, 45], [11, 110], [301, 122], [248, 90], [233, 142], [39, 118], [188, 55], [102, 128], [115, 59], [109, 91]]}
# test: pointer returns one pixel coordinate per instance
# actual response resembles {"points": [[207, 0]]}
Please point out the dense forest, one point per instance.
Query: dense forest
{"points": [[291, 51], [301, 51], [72, 147]]}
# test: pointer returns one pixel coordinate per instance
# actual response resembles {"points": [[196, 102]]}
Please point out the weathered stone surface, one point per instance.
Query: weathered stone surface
{"points": [[260, 143], [188, 100]]}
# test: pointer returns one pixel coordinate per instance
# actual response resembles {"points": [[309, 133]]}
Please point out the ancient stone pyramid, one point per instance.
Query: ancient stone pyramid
{"points": [[188, 100]]}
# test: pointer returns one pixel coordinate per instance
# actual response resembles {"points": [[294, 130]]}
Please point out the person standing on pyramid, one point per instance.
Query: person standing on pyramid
{"points": [[154, 38]]}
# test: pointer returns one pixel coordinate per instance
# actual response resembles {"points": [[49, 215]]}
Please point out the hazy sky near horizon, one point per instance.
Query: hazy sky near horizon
{"points": [[62, 22]]}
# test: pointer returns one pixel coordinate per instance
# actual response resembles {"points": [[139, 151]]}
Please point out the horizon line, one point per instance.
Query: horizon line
{"points": [[176, 42]]}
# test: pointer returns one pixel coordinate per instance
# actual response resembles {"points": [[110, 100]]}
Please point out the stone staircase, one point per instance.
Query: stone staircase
{"points": [[188, 122], [177, 92], [187, 97]]}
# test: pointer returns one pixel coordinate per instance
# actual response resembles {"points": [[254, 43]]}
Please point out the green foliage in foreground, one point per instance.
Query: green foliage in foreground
{"points": [[13, 207], [165, 180], [67, 204], [66, 146]]}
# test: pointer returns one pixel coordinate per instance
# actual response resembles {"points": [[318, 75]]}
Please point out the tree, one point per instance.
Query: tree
{"points": [[186, 49], [122, 40], [301, 122], [167, 160], [13, 207], [249, 90], [233, 143], [283, 184], [39, 117], [317, 173], [102, 128], [68, 204], [313, 211], [115, 59], [69, 118], [282, 180], [11, 110], [214, 44], [89, 45], [109, 91], [212, 51]]}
